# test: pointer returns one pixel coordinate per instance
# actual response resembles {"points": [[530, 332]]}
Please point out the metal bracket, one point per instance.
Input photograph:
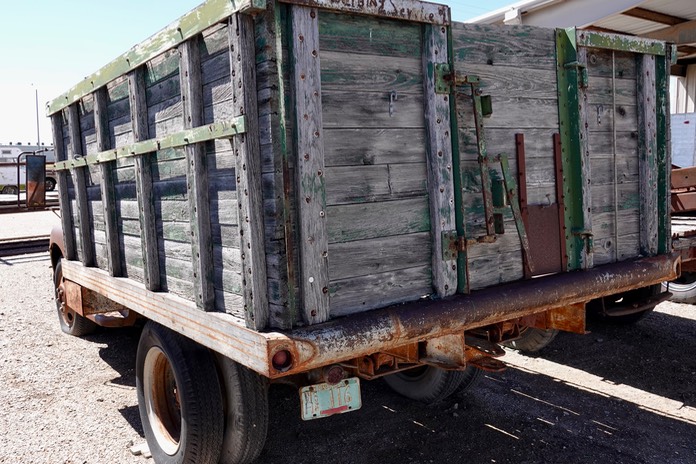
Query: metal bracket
{"points": [[444, 78], [588, 237], [581, 69]]}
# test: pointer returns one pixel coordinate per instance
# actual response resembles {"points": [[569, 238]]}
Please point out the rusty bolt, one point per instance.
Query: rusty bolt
{"points": [[325, 290], [313, 313]]}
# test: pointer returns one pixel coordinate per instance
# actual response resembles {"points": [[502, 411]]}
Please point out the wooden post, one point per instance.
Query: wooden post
{"points": [[439, 153], [311, 191], [108, 194], [586, 259], [647, 157], [80, 183], [66, 217], [197, 176], [143, 180], [248, 171]]}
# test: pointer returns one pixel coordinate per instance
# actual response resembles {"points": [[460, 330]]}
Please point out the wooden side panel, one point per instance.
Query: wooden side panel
{"points": [[378, 171], [66, 217], [517, 69], [248, 170], [311, 179], [613, 145]]}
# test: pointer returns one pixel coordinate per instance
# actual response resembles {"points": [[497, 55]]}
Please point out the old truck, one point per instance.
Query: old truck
{"points": [[323, 192]]}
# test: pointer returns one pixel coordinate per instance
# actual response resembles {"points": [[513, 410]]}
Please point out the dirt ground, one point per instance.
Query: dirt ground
{"points": [[619, 395]]}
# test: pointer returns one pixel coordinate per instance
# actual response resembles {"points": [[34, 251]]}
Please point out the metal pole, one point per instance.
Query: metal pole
{"points": [[38, 137]]}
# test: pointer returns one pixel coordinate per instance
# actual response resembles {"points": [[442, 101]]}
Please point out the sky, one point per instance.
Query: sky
{"points": [[46, 47]]}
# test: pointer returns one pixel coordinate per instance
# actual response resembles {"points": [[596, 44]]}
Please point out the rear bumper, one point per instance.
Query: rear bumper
{"points": [[374, 331]]}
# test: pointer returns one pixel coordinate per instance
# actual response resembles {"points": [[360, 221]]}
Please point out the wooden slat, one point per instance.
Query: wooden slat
{"points": [[647, 130], [80, 182], [586, 174], [108, 194], [311, 191], [410, 10], [439, 153], [197, 176], [248, 171], [143, 181], [66, 214]]}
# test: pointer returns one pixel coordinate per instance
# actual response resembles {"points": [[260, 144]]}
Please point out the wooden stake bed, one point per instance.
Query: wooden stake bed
{"points": [[263, 166]]}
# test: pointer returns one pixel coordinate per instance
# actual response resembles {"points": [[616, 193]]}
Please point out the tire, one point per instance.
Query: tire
{"points": [[71, 323], [50, 184], [179, 398], [10, 190], [430, 384], [532, 339], [683, 289], [596, 308], [246, 413]]}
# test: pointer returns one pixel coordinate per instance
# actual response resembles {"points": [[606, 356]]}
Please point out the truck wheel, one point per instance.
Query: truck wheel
{"points": [[532, 339], [683, 289], [50, 184], [246, 410], [10, 190], [430, 384], [600, 309], [179, 398], [71, 323]]}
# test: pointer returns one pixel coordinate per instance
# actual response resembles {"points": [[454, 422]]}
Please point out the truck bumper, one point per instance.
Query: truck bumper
{"points": [[380, 330]]}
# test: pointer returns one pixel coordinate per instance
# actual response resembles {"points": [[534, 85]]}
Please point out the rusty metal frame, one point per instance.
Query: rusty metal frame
{"points": [[375, 331]]}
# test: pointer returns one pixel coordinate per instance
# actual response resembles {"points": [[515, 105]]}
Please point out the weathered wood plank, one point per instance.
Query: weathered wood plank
{"points": [[368, 35], [197, 177], [362, 184], [108, 194], [311, 181], [66, 216], [585, 167], [368, 146], [349, 71], [364, 109], [248, 171], [348, 223], [359, 294], [143, 181], [647, 155], [367, 257], [80, 181], [440, 177]]}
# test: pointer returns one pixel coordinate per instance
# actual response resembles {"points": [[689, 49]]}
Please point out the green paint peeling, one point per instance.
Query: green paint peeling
{"points": [[621, 43], [220, 130], [192, 23]]}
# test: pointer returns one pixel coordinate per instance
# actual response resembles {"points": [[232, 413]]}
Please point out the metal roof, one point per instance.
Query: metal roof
{"points": [[670, 20]]}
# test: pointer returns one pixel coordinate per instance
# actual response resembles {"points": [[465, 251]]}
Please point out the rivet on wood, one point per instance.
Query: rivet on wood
{"points": [[302, 76], [306, 156], [301, 37], [314, 53], [320, 173], [308, 199], [321, 214], [305, 116], [316, 133], [313, 14], [325, 290], [314, 313]]}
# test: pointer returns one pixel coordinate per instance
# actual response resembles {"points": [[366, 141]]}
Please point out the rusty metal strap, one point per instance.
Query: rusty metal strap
{"points": [[219, 130], [407, 10]]}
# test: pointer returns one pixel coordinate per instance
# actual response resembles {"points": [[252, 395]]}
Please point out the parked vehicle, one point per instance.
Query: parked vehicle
{"points": [[330, 192]]}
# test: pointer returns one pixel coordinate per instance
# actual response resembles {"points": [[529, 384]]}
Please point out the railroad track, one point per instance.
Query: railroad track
{"points": [[23, 245]]}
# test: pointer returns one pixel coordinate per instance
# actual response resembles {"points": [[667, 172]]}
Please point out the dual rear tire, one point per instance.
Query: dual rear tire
{"points": [[429, 384]]}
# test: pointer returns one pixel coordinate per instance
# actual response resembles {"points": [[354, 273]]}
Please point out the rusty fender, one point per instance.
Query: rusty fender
{"points": [[387, 328]]}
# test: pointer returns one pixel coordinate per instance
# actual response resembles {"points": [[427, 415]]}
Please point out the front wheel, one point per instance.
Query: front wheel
{"points": [[179, 398], [71, 323], [430, 384]]}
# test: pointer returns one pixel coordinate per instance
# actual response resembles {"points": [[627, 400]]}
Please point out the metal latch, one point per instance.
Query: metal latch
{"points": [[581, 69], [586, 236]]}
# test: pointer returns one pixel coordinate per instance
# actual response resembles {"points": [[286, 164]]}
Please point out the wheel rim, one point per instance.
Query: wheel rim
{"points": [[162, 401], [685, 282], [67, 315]]}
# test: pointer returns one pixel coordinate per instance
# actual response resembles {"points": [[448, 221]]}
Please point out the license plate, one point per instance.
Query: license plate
{"points": [[324, 400]]}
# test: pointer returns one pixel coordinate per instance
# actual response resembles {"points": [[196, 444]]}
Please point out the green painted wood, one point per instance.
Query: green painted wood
{"points": [[664, 153], [143, 182], [219, 130], [311, 179], [80, 182], [620, 42], [64, 198], [197, 176], [368, 35], [248, 171], [189, 25], [648, 155], [409, 10], [439, 161], [108, 194]]}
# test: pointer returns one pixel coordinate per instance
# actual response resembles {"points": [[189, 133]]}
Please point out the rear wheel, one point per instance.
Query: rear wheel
{"points": [[683, 289], [430, 384], [179, 398], [532, 339], [50, 184], [70, 322], [602, 308], [10, 190]]}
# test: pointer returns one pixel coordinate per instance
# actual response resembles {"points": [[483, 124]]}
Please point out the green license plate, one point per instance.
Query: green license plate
{"points": [[324, 400]]}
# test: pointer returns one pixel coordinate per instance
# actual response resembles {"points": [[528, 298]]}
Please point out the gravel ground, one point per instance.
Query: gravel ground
{"points": [[619, 394]]}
